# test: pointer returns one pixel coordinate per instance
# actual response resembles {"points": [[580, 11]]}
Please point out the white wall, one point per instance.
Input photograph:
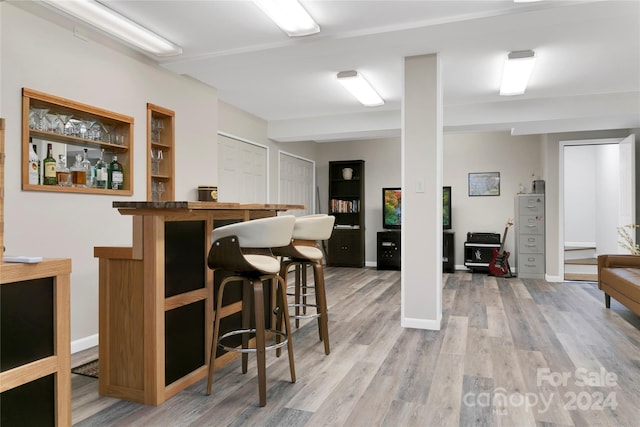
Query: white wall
{"points": [[515, 157], [40, 55]]}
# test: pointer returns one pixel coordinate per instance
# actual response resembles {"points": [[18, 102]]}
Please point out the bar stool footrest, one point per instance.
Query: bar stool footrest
{"points": [[304, 316], [252, 349]]}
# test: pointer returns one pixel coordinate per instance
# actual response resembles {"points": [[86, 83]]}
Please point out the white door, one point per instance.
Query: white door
{"points": [[627, 208], [242, 168], [297, 182]]}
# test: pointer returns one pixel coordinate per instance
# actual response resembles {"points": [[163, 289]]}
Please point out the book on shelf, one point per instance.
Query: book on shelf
{"points": [[345, 206]]}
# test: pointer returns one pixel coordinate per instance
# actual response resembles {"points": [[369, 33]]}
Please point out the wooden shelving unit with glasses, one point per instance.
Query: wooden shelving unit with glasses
{"points": [[160, 153]]}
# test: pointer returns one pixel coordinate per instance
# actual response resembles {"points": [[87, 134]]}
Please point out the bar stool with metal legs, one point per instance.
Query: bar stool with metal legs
{"points": [[302, 252], [244, 249]]}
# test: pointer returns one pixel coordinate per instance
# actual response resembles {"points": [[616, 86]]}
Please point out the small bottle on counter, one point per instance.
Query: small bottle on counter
{"points": [[49, 166], [116, 174]]}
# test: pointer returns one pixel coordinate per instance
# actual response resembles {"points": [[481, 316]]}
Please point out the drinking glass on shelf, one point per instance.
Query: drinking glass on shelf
{"points": [[62, 124], [160, 190], [95, 131], [73, 127], [51, 122], [85, 125], [156, 128], [41, 118], [156, 158], [154, 190], [109, 134]]}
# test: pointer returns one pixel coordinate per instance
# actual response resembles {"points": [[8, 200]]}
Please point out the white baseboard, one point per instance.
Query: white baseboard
{"points": [[84, 343], [433, 325], [580, 244], [370, 264], [554, 279]]}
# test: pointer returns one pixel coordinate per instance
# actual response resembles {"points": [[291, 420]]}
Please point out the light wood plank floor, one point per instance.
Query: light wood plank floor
{"points": [[511, 352]]}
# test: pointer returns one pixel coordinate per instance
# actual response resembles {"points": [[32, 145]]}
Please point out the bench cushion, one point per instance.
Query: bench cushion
{"points": [[625, 280]]}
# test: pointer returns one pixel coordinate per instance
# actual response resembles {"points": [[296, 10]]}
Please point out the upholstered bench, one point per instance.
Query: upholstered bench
{"points": [[619, 277]]}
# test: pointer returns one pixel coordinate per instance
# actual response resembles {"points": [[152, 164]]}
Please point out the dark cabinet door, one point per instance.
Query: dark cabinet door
{"points": [[346, 249]]}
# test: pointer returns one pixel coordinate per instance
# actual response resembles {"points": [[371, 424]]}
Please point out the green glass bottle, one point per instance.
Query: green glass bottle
{"points": [[49, 167], [116, 174]]}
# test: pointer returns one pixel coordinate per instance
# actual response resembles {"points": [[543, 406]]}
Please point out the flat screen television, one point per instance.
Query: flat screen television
{"points": [[446, 208], [391, 208]]}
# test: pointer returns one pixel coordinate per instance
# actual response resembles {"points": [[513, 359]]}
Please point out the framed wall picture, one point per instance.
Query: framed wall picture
{"points": [[484, 184]]}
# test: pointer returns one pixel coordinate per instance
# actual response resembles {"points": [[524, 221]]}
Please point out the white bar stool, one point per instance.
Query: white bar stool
{"points": [[302, 252], [244, 249]]}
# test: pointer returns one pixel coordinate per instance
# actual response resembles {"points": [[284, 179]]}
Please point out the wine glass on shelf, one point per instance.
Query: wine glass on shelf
{"points": [[160, 190], [96, 131], [62, 124], [51, 122], [86, 129], [41, 118], [109, 133]]}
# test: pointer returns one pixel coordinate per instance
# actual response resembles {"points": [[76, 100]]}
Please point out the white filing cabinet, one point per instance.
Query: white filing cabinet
{"points": [[530, 236]]}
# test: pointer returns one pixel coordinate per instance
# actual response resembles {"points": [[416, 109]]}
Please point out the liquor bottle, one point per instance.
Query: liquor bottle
{"points": [[101, 172], [116, 174], [86, 165], [78, 173], [63, 176], [49, 166], [34, 165]]}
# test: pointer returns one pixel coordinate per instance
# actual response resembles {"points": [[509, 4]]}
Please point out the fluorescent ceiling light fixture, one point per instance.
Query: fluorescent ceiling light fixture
{"points": [[290, 16], [360, 88], [516, 73], [113, 23]]}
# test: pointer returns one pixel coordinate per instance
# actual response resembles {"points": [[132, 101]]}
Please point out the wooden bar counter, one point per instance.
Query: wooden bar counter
{"points": [[156, 297], [35, 359]]}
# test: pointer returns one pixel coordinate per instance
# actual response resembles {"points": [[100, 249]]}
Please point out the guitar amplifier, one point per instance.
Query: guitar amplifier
{"points": [[483, 237]]}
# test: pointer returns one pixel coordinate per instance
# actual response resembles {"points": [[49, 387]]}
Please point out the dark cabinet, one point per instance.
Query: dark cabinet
{"points": [[346, 248], [448, 251], [346, 203], [389, 254]]}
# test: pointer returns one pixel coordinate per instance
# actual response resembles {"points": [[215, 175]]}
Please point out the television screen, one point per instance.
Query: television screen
{"points": [[392, 208], [446, 208]]}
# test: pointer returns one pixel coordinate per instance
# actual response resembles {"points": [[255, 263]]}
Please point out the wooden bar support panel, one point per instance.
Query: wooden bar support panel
{"points": [[156, 297]]}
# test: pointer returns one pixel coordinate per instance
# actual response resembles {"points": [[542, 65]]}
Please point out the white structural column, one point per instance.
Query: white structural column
{"points": [[422, 193]]}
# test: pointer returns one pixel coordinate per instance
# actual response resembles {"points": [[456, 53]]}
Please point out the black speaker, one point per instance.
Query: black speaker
{"points": [[483, 237]]}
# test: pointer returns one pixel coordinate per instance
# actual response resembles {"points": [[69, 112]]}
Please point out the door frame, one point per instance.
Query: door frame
{"points": [[561, 219]]}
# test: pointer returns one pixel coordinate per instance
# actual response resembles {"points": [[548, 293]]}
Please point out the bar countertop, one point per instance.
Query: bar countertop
{"points": [[193, 205]]}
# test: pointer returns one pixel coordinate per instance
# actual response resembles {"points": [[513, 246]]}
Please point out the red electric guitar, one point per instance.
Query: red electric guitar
{"points": [[499, 265]]}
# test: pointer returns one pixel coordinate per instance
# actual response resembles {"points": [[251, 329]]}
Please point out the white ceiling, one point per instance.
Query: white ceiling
{"points": [[587, 75]]}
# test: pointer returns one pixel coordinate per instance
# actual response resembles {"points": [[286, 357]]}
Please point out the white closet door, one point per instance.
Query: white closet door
{"points": [[297, 182], [242, 168]]}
